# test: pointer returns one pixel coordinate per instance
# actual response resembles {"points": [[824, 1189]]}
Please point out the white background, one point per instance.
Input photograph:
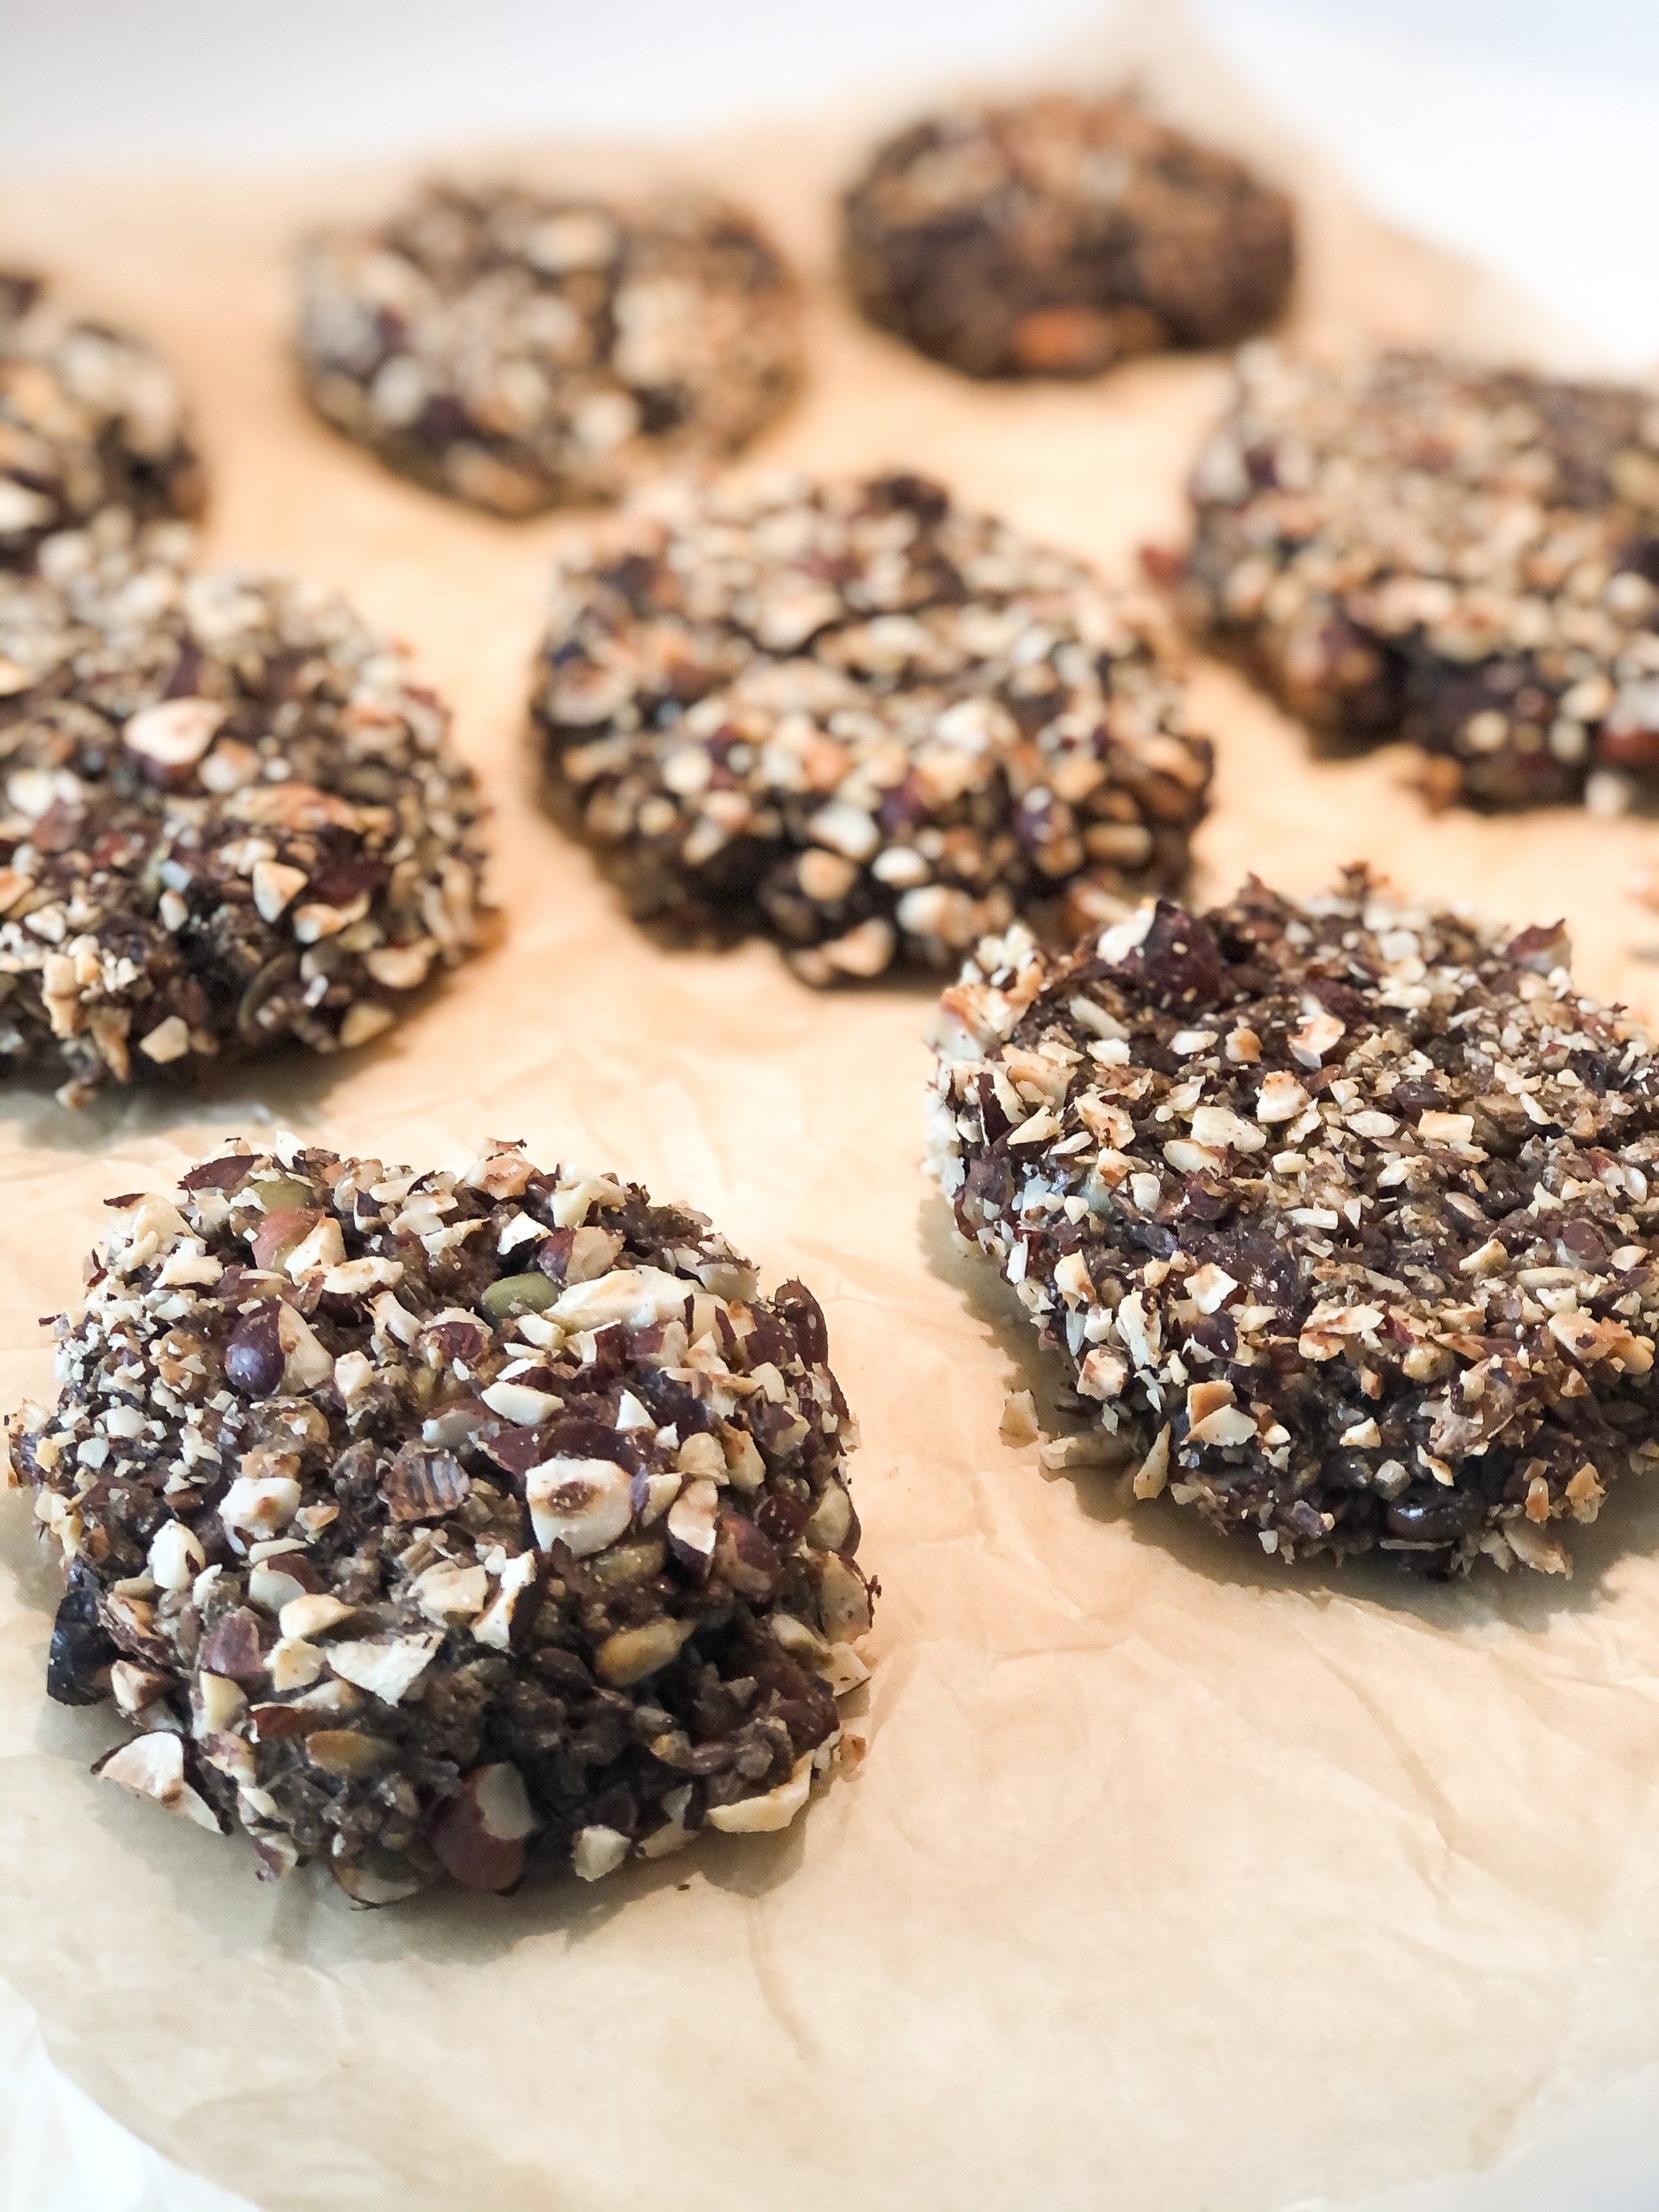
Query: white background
{"points": [[1520, 131]]}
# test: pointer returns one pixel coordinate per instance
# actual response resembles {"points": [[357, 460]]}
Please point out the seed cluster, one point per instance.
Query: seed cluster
{"points": [[1342, 1216], [414, 1519], [519, 351], [229, 818], [1464, 557], [866, 720], [89, 419], [1056, 236]]}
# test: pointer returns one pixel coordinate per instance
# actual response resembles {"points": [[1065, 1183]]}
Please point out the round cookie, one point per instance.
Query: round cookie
{"points": [[230, 818], [89, 419], [522, 351], [1465, 558], [867, 720], [1342, 1216], [1057, 235], [421, 1521]]}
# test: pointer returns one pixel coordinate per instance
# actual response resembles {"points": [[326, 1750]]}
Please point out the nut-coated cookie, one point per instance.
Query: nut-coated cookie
{"points": [[520, 350], [230, 816], [1056, 236], [420, 1522], [867, 720], [1342, 1216], [90, 418], [1462, 557]]}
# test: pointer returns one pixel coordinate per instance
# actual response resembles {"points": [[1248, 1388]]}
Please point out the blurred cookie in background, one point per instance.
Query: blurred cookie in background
{"points": [[866, 721], [1059, 236], [521, 350], [1420, 548], [90, 418]]}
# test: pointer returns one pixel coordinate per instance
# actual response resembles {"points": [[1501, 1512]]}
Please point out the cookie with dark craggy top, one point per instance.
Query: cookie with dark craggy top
{"points": [[1341, 1216], [522, 350], [90, 418], [418, 1521], [866, 720], [230, 817], [1466, 557], [1058, 235]]}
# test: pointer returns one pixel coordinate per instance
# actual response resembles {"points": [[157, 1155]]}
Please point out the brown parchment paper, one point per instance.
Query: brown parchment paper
{"points": [[1171, 1879]]}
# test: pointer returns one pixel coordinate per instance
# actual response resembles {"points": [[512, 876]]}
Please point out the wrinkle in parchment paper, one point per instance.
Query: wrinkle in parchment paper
{"points": [[1171, 1879]]}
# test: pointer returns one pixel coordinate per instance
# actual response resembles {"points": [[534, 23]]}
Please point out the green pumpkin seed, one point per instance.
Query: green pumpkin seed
{"points": [[280, 1192], [629, 1562], [518, 1294]]}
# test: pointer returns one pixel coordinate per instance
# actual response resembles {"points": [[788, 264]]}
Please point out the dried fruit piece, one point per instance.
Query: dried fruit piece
{"points": [[77, 1665], [1174, 959]]}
